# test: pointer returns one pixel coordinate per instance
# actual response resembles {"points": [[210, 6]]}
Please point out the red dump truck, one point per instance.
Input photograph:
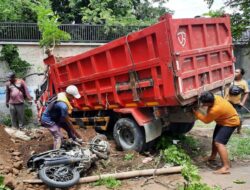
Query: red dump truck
{"points": [[145, 82]]}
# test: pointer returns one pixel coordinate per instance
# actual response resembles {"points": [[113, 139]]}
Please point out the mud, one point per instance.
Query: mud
{"points": [[41, 140]]}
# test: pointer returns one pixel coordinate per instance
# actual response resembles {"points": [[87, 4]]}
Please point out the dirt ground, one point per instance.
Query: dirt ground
{"points": [[14, 151]]}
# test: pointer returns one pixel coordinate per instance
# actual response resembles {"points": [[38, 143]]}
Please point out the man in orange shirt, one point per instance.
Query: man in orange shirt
{"points": [[227, 120]]}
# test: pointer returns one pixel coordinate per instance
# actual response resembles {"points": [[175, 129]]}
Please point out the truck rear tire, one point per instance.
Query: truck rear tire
{"points": [[180, 128], [128, 135]]}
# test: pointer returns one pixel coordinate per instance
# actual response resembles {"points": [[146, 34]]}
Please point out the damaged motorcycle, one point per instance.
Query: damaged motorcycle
{"points": [[62, 168]]}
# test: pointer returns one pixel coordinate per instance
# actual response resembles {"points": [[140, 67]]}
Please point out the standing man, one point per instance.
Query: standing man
{"points": [[16, 93], [237, 93], [227, 120], [56, 116]]}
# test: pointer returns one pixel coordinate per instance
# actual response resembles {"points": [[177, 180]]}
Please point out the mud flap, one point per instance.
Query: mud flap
{"points": [[152, 130]]}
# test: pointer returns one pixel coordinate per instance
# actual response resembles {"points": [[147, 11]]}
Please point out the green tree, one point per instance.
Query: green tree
{"points": [[16, 10], [108, 12], [69, 11], [50, 13], [145, 11], [215, 13], [48, 25], [97, 11], [121, 12], [240, 18]]}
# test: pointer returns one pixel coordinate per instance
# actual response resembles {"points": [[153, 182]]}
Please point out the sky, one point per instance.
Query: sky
{"points": [[191, 8]]}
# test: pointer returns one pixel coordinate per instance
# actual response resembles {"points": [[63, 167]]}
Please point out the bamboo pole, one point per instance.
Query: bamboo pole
{"points": [[122, 175]]}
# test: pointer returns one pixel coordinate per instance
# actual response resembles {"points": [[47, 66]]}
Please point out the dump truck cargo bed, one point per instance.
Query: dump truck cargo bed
{"points": [[166, 64]]}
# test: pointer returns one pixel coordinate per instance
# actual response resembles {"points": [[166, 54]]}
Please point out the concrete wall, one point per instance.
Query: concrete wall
{"points": [[32, 53], [242, 54]]}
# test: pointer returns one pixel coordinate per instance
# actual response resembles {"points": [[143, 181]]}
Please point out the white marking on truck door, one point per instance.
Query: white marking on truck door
{"points": [[177, 65], [182, 38], [180, 84]]}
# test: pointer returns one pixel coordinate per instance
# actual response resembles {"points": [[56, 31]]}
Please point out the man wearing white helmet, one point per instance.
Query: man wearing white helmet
{"points": [[56, 116]]}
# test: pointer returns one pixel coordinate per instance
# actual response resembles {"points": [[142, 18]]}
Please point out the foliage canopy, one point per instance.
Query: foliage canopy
{"points": [[120, 12], [16, 11], [240, 18], [48, 25], [9, 53], [91, 11]]}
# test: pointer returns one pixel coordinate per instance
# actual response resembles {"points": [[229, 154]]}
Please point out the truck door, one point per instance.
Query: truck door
{"points": [[202, 55]]}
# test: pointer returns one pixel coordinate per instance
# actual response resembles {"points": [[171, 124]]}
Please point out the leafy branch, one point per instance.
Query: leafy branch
{"points": [[48, 25]]}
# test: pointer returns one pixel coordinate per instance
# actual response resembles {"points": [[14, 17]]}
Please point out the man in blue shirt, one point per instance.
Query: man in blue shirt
{"points": [[56, 116]]}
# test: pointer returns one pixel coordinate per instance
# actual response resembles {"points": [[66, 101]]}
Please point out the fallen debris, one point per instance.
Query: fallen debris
{"points": [[238, 181], [17, 134], [122, 175], [147, 159]]}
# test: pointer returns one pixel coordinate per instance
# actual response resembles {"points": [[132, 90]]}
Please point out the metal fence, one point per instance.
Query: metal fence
{"points": [[80, 33], [29, 32]]}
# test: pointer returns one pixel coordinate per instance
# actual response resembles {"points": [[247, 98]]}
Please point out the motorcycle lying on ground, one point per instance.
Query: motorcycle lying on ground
{"points": [[62, 168]]}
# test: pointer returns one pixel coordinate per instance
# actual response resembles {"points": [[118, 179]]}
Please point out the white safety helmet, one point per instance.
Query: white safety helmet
{"points": [[72, 90]]}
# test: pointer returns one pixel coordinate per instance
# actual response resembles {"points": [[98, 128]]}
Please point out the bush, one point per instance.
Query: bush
{"points": [[2, 186], [9, 53], [6, 120], [28, 114], [164, 142], [128, 156], [109, 182], [175, 155]]}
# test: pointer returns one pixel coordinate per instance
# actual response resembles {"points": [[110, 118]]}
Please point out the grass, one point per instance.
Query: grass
{"points": [[6, 120], [2, 186], [109, 182], [175, 155], [188, 143], [128, 156], [246, 115], [27, 114], [239, 145], [246, 132], [199, 123]]}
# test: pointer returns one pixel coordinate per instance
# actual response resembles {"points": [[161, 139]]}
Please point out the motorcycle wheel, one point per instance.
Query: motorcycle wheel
{"points": [[59, 176]]}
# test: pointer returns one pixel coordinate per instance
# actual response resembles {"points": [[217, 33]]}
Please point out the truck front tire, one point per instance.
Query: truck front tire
{"points": [[128, 135]]}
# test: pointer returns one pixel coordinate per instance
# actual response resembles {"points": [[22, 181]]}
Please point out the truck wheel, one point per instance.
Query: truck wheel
{"points": [[128, 135], [180, 128]]}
